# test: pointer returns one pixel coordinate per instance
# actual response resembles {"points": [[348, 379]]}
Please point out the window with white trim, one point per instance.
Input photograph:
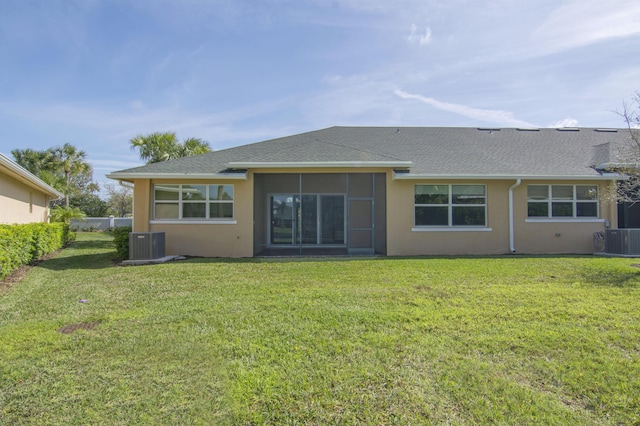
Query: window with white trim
{"points": [[450, 205], [193, 202], [562, 201]]}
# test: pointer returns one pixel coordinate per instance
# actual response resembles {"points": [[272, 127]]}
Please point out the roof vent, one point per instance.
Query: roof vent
{"points": [[607, 130], [488, 129], [568, 129], [527, 129]]}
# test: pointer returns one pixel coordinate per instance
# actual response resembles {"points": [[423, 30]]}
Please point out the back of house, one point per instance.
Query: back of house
{"points": [[385, 190]]}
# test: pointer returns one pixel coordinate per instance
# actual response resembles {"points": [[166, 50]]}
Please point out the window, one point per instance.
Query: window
{"points": [[562, 201], [317, 219], [450, 205], [193, 202]]}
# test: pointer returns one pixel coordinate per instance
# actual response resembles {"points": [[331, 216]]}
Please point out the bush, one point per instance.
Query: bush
{"points": [[121, 241], [22, 244]]}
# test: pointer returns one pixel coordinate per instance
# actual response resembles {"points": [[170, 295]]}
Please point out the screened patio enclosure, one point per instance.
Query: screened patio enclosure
{"points": [[319, 213]]}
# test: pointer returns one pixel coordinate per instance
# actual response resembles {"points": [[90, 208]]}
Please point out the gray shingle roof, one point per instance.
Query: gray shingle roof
{"points": [[431, 151]]}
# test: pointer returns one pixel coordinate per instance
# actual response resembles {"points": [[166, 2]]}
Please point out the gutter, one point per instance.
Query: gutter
{"points": [[605, 176], [512, 246]]}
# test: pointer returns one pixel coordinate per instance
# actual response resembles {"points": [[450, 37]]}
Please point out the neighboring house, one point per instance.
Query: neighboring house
{"points": [[23, 197], [395, 191]]}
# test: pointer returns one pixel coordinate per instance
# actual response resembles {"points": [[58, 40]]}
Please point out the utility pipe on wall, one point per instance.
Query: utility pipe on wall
{"points": [[511, 232]]}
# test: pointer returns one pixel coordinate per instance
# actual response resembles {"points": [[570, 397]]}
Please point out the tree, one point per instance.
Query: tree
{"points": [[32, 160], [65, 214], [63, 167], [91, 204], [156, 147], [628, 157], [72, 162], [120, 200]]}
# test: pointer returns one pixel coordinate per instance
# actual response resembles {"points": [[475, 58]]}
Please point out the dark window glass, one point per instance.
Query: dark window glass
{"points": [[432, 216], [468, 216]]}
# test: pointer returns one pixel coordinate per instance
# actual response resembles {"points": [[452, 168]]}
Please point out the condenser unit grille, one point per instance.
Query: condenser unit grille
{"points": [[146, 245], [622, 241]]}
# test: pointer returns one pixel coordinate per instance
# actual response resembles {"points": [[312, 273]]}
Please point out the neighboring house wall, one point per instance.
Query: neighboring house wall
{"points": [[20, 203]]}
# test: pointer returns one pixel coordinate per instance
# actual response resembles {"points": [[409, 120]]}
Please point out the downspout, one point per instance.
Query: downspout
{"points": [[512, 247]]}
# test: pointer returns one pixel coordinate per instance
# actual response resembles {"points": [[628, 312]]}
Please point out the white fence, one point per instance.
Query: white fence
{"points": [[100, 223]]}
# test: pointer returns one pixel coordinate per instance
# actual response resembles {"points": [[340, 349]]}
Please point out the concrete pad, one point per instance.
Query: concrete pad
{"points": [[151, 261]]}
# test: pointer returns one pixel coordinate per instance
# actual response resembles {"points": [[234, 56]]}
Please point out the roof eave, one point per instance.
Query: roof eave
{"points": [[29, 177], [604, 177], [181, 176], [318, 164]]}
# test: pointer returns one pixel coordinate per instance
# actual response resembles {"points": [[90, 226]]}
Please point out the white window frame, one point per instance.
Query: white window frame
{"points": [[574, 205], [450, 206], [181, 202]]}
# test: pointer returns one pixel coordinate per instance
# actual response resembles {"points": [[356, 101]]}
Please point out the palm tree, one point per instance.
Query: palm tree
{"points": [[34, 161], [72, 162], [156, 147]]}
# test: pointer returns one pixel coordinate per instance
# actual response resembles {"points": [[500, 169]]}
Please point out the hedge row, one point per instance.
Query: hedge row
{"points": [[22, 244]]}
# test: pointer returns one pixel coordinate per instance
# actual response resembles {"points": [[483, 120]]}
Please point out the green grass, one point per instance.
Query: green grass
{"points": [[512, 340]]}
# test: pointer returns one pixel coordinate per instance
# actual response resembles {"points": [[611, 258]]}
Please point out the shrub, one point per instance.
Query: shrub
{"points": [[22, 244], [121, 241]]}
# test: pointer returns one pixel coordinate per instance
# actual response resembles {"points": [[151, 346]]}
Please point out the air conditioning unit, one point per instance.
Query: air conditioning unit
{"points": [[622, 241], [146, 245]]}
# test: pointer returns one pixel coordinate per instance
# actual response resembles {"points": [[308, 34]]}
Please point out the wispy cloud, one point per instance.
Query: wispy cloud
{"points": [[584, 22], [503, 118], [418, 37]]}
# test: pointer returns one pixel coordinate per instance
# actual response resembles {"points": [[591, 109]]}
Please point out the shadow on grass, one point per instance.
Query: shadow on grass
{"points": [[611, 278], [75, 256]]}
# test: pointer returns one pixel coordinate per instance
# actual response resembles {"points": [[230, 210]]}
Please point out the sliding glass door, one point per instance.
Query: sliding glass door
{"points": [[307, 219]]}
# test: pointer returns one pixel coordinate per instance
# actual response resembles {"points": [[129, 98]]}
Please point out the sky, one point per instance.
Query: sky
{"points": [[96, 73]]}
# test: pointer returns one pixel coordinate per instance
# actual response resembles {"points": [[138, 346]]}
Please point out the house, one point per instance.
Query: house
{"points": [[386, 190], [23, 197]]}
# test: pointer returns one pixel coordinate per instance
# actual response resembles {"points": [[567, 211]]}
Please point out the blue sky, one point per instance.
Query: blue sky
{"points": [[95, 73]]}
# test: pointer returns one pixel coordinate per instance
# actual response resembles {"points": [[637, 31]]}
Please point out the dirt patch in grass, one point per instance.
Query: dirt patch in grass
{"points": [[19, 274], [68, 329]]}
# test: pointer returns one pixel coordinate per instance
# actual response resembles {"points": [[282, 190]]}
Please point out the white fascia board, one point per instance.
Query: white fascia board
{"points": [[317, 164], [409, 176], [29, 177], [130, 176]]}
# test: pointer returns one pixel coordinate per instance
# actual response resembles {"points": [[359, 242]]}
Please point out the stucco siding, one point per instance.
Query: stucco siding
{"points": [[559, 236], [404, 239], [232, 238], [20, 203]]}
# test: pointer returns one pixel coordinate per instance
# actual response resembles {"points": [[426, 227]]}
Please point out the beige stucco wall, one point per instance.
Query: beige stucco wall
{"points": [[549, 237], [402, 240], [236, 239], [20, 203], [199, 238], [556, 237]]}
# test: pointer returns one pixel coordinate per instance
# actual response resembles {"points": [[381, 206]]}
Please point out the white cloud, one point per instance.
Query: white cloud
{"points": [[415, 37], [567, 122], [584, 22], [503, 118]]}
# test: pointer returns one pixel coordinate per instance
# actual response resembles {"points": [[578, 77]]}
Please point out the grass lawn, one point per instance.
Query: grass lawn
{"points": [[512, 340]]}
